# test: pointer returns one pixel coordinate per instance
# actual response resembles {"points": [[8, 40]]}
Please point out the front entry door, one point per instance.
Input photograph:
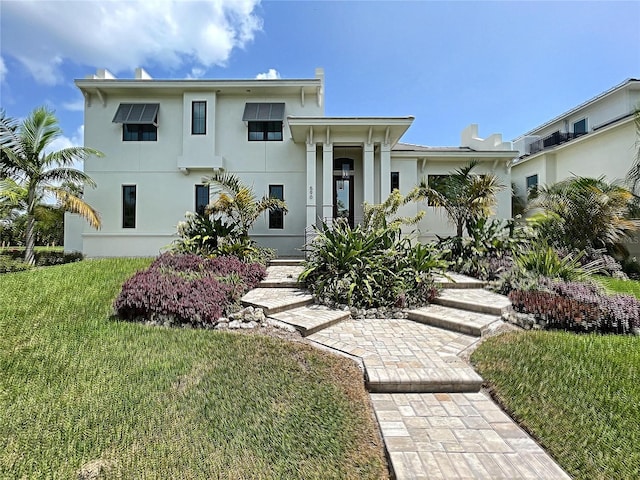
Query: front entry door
{"points": [[343, 198]]}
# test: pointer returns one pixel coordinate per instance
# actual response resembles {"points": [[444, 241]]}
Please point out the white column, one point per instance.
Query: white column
{"points": [[327, 181], [385, 171], [311, 184], [367, 172]]}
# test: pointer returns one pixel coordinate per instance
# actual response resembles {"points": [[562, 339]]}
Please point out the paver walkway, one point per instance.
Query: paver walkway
{"points": [[434, 420]]}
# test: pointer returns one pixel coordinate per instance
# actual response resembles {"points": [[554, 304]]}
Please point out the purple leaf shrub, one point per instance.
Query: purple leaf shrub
{"points": [[186, 288], [579, 306]]}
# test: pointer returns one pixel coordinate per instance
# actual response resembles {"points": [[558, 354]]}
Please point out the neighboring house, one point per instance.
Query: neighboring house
{"points": [[593, 139], [161, 138]]}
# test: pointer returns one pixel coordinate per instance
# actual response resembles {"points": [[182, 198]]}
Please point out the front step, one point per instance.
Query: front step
{"points": [[470, 323], [282, 276], [286, 299], [286, 262], [456, 280], [311, 319], [422, 380], [473, 300]]}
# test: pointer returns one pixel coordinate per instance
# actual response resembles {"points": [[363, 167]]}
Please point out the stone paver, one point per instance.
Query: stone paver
{"points": [[404, 356], [274, 300], [473, 299], [457, 281], [463, 321], [285, 276], [457, 436], [309, 320]]}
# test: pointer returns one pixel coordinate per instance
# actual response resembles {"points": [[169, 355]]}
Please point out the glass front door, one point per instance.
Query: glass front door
{"points": [[343, 198]]}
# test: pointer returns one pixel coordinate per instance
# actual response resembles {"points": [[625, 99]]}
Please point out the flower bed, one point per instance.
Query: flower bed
{"points": [[186, 290]]}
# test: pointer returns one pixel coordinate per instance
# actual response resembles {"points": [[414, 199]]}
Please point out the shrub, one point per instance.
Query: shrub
{"points": [[9, 265], [543, 260], [370, 268], [44, 258], [186, 289], [578, 306]]}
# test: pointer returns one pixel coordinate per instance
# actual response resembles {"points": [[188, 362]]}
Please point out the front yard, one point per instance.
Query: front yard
{"points": [[80, 392]]}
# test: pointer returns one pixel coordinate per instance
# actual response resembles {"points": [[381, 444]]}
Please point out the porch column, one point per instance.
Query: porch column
{"points": [[385, 171], [367, 172], [311, 184], [327, 182]]}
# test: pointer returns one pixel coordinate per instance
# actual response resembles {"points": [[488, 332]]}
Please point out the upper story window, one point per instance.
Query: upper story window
{"points": [[139, 121], [265, 131], [580, 127], [264, 121], [199, 118]]}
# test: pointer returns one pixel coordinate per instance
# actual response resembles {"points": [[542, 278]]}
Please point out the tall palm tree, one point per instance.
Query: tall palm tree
{"points": [[32, 172], [239, 203], [465, 197], [584, 212]]}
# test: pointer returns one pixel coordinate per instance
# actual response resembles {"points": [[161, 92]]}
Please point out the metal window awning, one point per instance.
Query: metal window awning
{"points": [[137, 113], [263, 112]]}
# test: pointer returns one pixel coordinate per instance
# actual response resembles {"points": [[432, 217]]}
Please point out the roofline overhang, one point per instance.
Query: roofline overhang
{"points": [[525, 158], [194, 83], [446, 154], [629, 82]]}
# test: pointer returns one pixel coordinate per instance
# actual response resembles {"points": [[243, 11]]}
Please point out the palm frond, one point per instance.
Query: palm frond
{"points": [[67, 156], [71, 175], [73, 204]]}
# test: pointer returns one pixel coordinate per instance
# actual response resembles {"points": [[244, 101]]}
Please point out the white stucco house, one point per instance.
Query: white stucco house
{"points": [[595, 138], [162, 137]]}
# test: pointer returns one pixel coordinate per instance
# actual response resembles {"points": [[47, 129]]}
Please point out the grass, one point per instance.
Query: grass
{"points": [[616, 285], [79, 390], [579, 395]]}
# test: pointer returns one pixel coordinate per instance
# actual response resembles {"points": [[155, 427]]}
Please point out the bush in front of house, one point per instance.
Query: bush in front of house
{"points": [[44, 256], [370, 267], [9, 265], [578, 306], [179, 289]]}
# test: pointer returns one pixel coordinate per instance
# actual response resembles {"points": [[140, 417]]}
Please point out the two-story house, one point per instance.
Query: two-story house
{"points": [[595, 138], [162, 138]]}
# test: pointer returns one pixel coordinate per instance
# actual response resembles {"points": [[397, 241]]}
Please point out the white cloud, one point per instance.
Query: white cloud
{"points": [[3, 70], [196, 72], [123, 35], [272, 74]]}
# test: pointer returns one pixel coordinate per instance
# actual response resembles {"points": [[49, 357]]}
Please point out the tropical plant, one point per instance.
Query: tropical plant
{"points": [[582, 212], [200, 234], [542, 260], [376, 216], [370, 268], [633, 176], [237, 203], [32, 172], [464, 196]]}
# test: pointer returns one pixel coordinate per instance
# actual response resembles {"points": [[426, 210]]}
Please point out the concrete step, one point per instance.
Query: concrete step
{"points": [[282, 276], [289, 262], [311, 319], [463, 321], [456, 280], [473, 300], [400, 355], [285, 299]]}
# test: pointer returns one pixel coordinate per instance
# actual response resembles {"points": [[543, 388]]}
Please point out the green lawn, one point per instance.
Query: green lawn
{"points": [[78, 387], [578, 394], [615, 285]]}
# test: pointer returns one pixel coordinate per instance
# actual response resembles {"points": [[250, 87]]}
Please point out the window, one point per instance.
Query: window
{"points": [[198, 118], [265, 131], [133, 132], [580, 127], [202, 198], [276, 217], [139, 121], [128, 206], [532, 186], [395, 181]]}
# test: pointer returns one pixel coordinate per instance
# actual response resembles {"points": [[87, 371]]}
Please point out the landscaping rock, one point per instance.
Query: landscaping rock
{"points": [[235, 324]]}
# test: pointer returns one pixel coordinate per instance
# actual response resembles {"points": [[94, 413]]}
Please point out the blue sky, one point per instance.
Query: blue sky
{"points": [[508, 66]]}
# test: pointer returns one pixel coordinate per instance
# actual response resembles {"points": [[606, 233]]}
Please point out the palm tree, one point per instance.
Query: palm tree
{"points": [[465, 197], [238, 203], [584, 212], [633, 176], [32, 173]]}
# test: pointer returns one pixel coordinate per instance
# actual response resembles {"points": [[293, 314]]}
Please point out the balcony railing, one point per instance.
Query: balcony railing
{"points": [[552, 140]]}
